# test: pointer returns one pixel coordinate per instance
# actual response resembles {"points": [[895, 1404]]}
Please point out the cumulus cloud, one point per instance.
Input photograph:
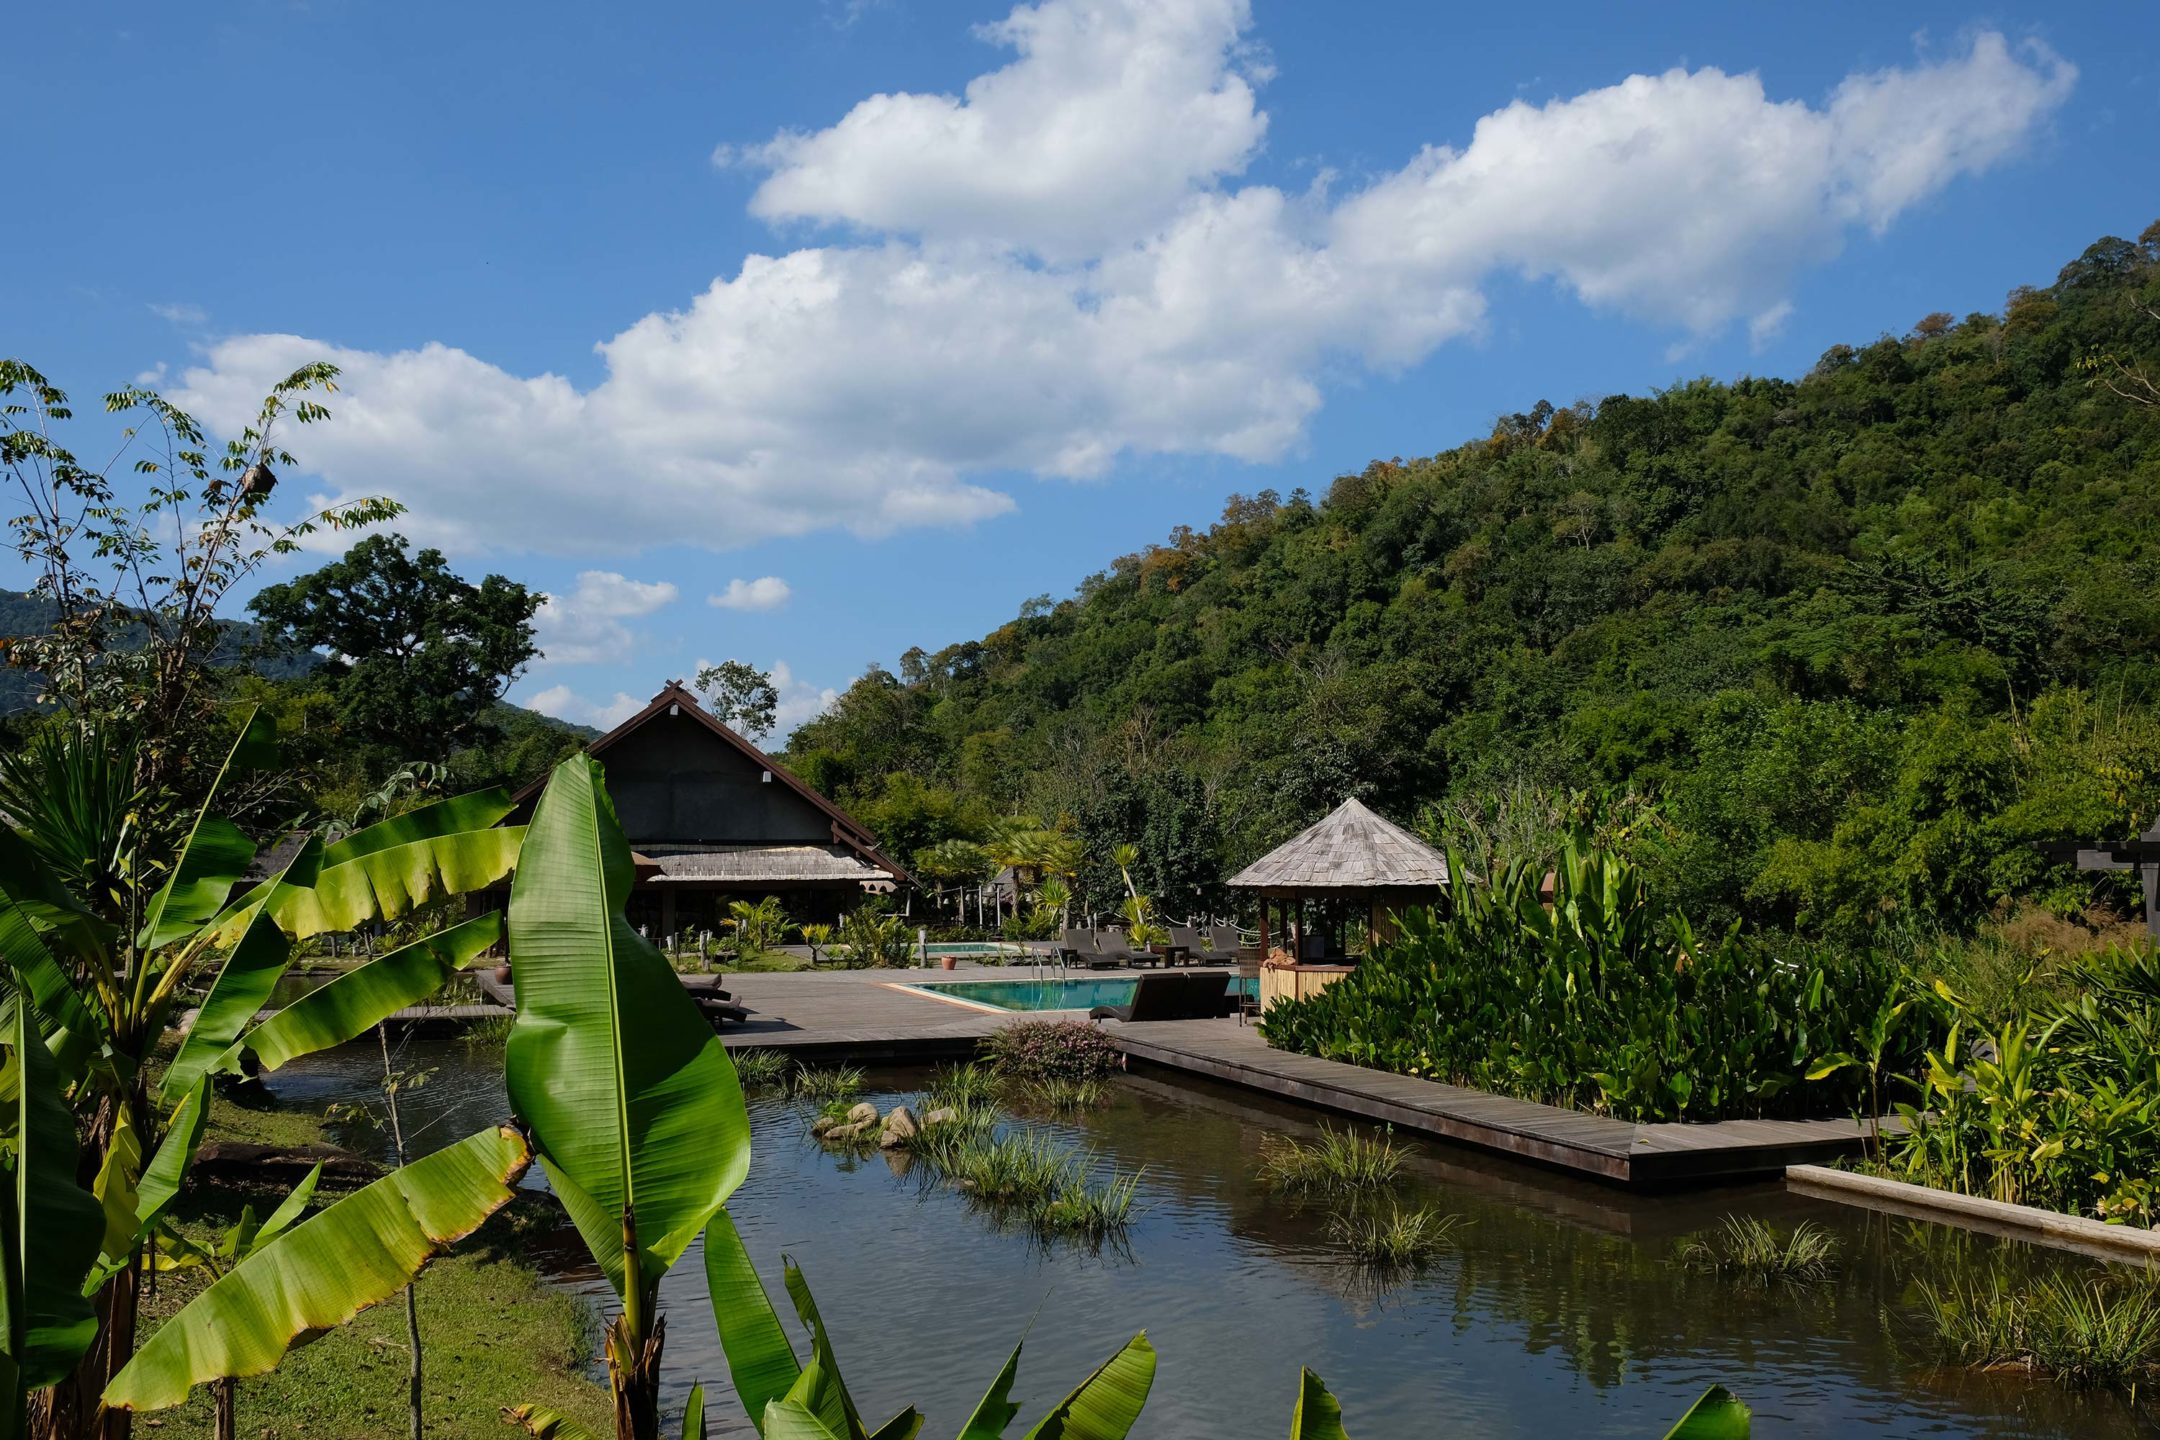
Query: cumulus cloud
{"points": [[1113, 113], [767, 592], [800, 701], [1058, 268], [588, 625], [564, 703]]}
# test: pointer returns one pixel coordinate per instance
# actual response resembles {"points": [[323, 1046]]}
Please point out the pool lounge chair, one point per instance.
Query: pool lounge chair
{"points": [[1111, 943], [1170, 997], [1083, 947], [1197, 949]]}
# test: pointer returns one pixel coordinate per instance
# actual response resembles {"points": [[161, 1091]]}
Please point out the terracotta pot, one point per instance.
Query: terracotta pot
{"points": [[502, 973], [948, 962]]}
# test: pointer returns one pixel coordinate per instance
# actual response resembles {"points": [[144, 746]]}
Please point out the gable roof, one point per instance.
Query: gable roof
{"points": [[1352, 849], [674, 698]]}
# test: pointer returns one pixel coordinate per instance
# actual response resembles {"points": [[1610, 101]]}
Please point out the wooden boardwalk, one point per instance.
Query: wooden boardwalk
{"points": [[877, 1015]]}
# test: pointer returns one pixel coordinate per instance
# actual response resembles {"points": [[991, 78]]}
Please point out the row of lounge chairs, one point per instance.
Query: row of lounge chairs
{"points": [[1111, 949]]}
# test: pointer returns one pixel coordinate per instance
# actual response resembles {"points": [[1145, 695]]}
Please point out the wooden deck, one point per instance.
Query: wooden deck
{"points": [[875, 1015], [1614, 1150]]}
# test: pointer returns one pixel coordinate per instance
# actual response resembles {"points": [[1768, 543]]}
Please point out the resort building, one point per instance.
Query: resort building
{"points": [[714, 819]]}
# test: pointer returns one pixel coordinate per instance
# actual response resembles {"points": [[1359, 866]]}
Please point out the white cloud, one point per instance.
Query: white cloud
{"points": [[1115, 111], [1060, 271], [800, 702], [767, 592], [181, 313], [587, 625], [564, 703]]}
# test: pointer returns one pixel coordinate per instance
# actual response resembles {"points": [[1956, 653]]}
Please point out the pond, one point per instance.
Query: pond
{"points": [[1561, 1312]]}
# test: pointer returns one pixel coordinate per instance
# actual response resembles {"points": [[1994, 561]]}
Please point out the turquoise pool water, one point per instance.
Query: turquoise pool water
{"points": [[1055, 994]]}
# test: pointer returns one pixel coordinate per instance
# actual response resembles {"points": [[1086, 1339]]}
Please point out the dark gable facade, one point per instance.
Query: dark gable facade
{"points": [[713, 819]]}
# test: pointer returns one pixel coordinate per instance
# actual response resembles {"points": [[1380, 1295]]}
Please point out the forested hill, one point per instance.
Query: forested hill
{"points": [[242, 643], [1859, 637]]}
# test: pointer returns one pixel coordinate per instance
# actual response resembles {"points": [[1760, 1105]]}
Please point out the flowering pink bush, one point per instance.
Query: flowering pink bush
{"points": [[1038, 1050]]}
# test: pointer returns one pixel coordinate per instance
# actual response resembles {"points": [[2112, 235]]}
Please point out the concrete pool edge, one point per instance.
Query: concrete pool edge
{"points": [[930, 988], [1974, 1212]]}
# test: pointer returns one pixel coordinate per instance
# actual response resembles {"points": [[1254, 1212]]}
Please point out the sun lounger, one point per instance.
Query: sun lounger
{"points": [[1116, 950], [1082, 947], [1197, 949], [1170, 997]]}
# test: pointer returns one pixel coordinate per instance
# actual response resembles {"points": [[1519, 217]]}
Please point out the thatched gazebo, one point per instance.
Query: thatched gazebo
{"points": [[1353, 868]]}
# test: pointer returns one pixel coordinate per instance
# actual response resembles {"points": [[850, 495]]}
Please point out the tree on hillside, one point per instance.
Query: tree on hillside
{"points": [[418, 654], [1856, 640], [741, 695]]}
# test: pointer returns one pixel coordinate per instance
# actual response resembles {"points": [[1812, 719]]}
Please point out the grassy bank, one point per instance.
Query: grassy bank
{"points": [[493, 1333]]}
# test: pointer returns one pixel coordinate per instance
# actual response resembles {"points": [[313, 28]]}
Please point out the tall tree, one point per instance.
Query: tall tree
{"points": [[741, 695], [418, 654]]}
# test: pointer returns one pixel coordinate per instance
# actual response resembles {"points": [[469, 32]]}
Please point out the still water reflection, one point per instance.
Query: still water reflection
{"points": [[1561, 1314]]}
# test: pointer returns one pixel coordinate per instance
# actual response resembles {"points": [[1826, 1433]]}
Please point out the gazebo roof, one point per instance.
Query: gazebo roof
{"points": [[1352, 849]]}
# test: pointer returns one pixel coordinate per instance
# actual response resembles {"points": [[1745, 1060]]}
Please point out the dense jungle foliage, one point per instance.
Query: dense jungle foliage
{"points": [[1840, 649]]}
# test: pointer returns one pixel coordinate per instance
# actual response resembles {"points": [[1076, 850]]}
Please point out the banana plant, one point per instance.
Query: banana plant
{"points": [[103, 993], [632, 1103], [322, 1271], [52, 1226], [786, 1397]]}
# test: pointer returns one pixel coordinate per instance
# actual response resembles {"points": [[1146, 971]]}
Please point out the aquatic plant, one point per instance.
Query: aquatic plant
{"points": [[1748, 1249], [489, 1033], [1341, 1162], [962, 1085], [760, 1069], [1037, 1050], [831, 1082], [1068, 1096], [1026, 1167], [1399, 1239], [1088, 1206], [2090, 1332]]}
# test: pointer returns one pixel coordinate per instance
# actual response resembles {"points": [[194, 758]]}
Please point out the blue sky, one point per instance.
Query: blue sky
{"points": [[882, 317]]}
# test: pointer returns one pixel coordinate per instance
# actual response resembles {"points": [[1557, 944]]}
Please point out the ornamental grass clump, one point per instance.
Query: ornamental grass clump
{"points": [[1067, 1097], [1033, 1051], [962, 1086], [1607, 1001], [1397, 1239], [1746, 1249], [1088, 1206], [836, 1082], [1341, 1162], [760, 1069], [2089, 1332], [1026, 1168]]}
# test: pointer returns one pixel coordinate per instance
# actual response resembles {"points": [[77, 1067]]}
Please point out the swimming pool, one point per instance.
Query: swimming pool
{"points": [[1083, 994]]}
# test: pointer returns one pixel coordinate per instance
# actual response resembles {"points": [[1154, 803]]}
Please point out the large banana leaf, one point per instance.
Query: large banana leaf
{"points": [[760, 1361], [384, 884], [356, 1001], [241, 987], [477, 811], [1317, 1416], [71, 1029], [323, 1271], [627, 1091], [54, 1227], [792, 1420], [544, 1424], [1718, 1415], [1105, 1405], [996, 1409], [216, 853]]}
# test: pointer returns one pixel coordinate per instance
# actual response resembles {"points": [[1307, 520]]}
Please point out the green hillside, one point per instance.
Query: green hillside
{"points": [[1827, 652]]}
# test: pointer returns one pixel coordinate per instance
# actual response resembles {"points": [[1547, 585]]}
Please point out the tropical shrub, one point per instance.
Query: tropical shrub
{"points": [[874, 938], [1034, 1051], [2057, 1106], [1605, 1001]]}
